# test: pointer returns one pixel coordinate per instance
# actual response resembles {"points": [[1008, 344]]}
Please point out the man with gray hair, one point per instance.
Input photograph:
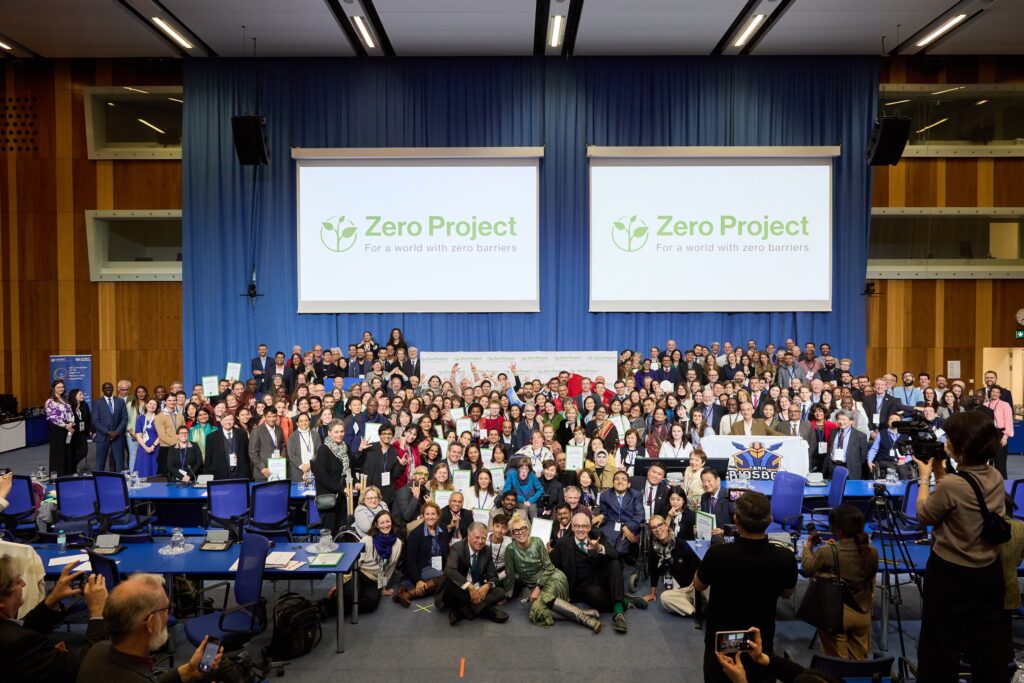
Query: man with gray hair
{"points": [[847, 448], [25, 651], [136, 619], [470, 585]]}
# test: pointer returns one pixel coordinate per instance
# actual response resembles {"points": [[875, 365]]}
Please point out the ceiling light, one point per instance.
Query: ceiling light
{"points": [[980, 102], [941, 30], [556, 30], [932, 125], [111, 104], [361, 25], [144, 92], [752, 25], [174, 99], [175, 36], [147, 123], [943, 92], [890, 104], [6, 46]]}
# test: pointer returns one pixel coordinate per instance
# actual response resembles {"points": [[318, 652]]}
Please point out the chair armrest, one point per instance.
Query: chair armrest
{"points": [[150, 508], [205, 589], [248, 609]]}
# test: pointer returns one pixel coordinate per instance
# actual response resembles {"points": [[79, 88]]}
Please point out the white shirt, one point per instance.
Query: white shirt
{"points": [[306, 445]]}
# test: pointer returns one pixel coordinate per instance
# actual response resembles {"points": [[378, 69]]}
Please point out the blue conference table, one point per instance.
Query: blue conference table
{"points": [[855, 489], [145, 557], [177, 505]]}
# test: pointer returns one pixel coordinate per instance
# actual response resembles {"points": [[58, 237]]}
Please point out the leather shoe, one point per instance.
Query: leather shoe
{"points": [[619, 622], [496, 615], [453, 617]]}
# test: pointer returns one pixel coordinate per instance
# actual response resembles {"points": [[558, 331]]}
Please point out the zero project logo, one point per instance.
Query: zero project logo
{"points": [[338, 234], [630, 233]]}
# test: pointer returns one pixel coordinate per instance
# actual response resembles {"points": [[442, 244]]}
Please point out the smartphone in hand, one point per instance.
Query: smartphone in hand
{"points": [[209, 654]]}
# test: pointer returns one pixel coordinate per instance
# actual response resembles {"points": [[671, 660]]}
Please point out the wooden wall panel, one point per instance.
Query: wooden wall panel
{"points": [[961, 186], [147, 184]]}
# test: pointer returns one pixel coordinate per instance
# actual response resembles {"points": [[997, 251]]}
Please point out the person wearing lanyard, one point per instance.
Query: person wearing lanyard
{"points": [[184, 460], [302, 446], [630, 451], [621, 514], [653, 490], [675, 447], [425, 558]]}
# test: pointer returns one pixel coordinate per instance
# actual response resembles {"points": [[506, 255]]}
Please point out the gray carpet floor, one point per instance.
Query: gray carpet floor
{"points": [[395, 644]]}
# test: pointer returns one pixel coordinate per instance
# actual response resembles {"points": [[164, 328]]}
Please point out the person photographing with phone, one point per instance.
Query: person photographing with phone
{"points": [[963, 581], [730, 657]]}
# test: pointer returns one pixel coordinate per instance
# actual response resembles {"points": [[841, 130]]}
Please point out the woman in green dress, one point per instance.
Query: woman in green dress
{"points": [[528, 564], [200, 430]]}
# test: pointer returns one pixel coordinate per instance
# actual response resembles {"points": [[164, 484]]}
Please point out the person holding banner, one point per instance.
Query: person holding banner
{"points": [[62, 427]]}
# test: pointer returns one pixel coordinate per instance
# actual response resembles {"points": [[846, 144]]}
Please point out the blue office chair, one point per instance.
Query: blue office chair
{"points": [[269, 514], [19, 518], [787, 502], [76, 499], [238, 625], [117, 514], [228, 505], [835, 493], [313, 521], [853, 668]]}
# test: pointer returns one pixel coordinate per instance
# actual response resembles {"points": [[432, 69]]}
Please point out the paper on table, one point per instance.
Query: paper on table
{"points": [[372, 434], [541, 528], [293, 565], [279, 559], [65, 559], [460, 479], [464, 424]]}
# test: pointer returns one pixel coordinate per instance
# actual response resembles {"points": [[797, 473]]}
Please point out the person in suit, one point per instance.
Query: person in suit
{"points": [[426, 555], [794, 426], [267, 441], [748, 425], [620, 515], [653, 490], [713, 411], [380, 463], [184, 460], [26, 652], [879, 407], [167, 422], [260, 366], [227, 451], [470, 587], [716, 500], [455, 518], [411, 366], [593, 570], [302, 447], [991, 379], [136, 618], [666, 372], [109, 418], [410, 499], [848, 447]]}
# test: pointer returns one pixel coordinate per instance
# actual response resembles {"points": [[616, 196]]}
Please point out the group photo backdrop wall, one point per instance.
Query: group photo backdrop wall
{"points": [[560, 105]]}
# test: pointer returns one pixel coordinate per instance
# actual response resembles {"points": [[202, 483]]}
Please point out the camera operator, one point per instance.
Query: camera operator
{"points": [[886, 452], [963, 585], [858, 564]]}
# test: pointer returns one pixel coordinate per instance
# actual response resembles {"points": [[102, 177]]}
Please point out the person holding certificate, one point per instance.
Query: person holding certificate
{"points": [[380, 464], [481, 494]]}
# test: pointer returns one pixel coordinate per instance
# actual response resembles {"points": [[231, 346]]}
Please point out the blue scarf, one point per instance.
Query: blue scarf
{"points": [[383, 543]]}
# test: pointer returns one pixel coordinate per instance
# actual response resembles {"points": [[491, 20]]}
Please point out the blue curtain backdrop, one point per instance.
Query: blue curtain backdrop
{"points": [[563, 105]]}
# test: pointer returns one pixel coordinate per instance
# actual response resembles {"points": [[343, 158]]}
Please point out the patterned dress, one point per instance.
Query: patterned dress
{"points": [[532, 566]]}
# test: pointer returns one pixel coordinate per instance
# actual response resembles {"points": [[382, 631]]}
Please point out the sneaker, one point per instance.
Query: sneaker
{"points": [[619, 623], [634, 601]]}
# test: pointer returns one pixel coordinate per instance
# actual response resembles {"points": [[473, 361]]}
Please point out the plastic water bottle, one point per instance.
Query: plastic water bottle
{"points": [[62, 542], [325, 540], [177, 539], [311, 483]]}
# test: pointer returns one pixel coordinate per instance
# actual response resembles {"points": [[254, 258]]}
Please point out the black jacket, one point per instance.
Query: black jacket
{"points": [[682, 563], [565, 555], [192, 464], [639, 484], [724, 507], [217, 455], [373, 462], [417, 551], [28, 655], [330, 477], [465, 519]]}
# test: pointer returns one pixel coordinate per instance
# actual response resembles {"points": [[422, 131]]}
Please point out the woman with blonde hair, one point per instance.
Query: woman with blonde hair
{"points": [[370, 504]]}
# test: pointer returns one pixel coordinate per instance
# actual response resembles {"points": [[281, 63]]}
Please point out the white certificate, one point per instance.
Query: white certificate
{"points": [[460, 480], [574, 458], [705, 525], [541, 528], [233, 372], [498, 477], [210, 383], [278, 469], [442, 497], [487, 455], [463, 424], [372, 433], [458, 413], [482, 516], [443, 443]]}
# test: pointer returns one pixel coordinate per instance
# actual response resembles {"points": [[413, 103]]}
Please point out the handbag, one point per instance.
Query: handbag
{"points": [[994, 529], [326, 501], [822, 606]]}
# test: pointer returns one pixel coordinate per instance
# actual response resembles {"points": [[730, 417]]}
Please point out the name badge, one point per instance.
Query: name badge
{"points": [[385, 479], [276, 453], [822, 448], [183, 473], [892, 453], [618, 527], [232, 460], [435, 563], [878, 418], [839, 455]]}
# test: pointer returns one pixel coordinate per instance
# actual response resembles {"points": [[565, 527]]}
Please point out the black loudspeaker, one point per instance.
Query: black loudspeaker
{"points": [[888, 139], [250, 134]]}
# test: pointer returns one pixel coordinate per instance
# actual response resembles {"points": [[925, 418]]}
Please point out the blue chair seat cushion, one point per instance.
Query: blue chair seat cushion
{"points": [[209, 625], [128, 523]]}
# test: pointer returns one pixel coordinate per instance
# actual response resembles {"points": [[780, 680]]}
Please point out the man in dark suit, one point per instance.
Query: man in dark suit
{"points": [[267, 442], [411, 367], [26, 652], [227, 451], [621, 514], [715, 499], [848, 447], [470, 586], [593, 570], [886, 453], [666, 372], [991, 379], [355, 432], [262, 368], [794, 426], [690, 363], [879, 407], [713, 411], [653, 490], [109, 417]]}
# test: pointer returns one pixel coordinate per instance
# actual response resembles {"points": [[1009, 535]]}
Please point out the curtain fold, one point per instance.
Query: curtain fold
{"points": [[563, 105]]}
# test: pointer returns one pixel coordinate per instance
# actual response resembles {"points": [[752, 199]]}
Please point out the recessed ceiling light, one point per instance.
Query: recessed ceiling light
{"points": [[980, 102], [752, 25], [174, 99], [144, 92], [364, 31], [169, 30], [947, 26], [943, 92], [147, 123], [6, 46], [932, 125], [111, 104], [556, 30], [890, 104]]}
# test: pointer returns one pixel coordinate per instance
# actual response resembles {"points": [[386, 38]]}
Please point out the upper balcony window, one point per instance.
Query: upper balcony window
{"points": [[136, 122]]}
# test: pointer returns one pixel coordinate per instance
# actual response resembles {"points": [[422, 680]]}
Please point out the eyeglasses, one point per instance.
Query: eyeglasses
{"points": [[520, 530], [158, 611], [581, 527], [657, 526]]}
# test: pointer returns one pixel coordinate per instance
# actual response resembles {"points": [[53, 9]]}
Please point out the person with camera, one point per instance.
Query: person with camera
{"points": [[26, 652], [785, 670], [888, 452], [857, 562], [748, 577], [963, 581]]}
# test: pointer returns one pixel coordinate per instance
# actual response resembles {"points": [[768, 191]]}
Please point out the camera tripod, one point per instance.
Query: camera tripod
{"points": [[894, 559]]}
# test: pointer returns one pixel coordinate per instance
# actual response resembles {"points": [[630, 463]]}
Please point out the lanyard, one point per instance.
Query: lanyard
{"points": [[181, 457], [435, 547], [483, 503], [307, 442]]}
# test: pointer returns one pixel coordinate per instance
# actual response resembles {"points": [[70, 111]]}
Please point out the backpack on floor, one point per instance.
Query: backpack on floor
{"points": [[296, 627]]}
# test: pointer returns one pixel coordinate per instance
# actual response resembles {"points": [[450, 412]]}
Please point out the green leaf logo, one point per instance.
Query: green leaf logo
{"points": [[338, 234], [630, 233]]}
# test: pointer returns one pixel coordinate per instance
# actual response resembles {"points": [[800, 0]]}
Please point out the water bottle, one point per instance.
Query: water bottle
{"points": [[62, 542], [325, 540], [1018, 675], [177, 539], [311, 483]]}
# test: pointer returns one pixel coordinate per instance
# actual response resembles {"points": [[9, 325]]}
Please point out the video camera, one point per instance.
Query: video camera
{"points": [[924, 445]]}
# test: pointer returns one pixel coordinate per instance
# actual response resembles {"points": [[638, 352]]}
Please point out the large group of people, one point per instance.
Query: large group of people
{"points": [[452, 483]]}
